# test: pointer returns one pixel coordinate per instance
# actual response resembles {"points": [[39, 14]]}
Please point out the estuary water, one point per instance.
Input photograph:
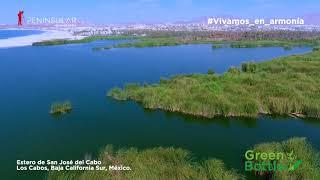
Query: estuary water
{"points": [[5, 34], [34, 77]]}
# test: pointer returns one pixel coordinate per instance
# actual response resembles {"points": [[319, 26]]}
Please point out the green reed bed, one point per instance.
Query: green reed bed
{"points": [[175, 163], [284, 86], [155, 163], [83, 40], [295, 149], [61, 107], [286, 44], [216, 44]]}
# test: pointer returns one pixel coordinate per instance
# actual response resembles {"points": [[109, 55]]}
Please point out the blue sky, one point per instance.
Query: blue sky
{"points": [[122, 11]]}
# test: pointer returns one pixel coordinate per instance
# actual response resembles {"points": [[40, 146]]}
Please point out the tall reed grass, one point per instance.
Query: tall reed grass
{"points": [[283, 86]]}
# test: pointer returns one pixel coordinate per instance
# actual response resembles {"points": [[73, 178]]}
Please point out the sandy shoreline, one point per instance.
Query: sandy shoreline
{"points": [[28, 40]]}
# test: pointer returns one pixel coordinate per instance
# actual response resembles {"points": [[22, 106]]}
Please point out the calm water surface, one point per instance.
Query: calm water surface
{"points": [[33, 77], [5, 34]]}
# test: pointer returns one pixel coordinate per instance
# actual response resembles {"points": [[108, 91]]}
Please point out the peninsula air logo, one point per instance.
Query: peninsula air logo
{"points": [[20, 17], [46, 21]]}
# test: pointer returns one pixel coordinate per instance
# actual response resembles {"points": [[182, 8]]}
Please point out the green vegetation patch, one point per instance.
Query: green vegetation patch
{"points": [[164, 41], [61, 108], [156, 163], [84, 40], [302, 158], [150, 41], [174, 40], [283, 86], [286, 44], [217, 46], [175, 163]]}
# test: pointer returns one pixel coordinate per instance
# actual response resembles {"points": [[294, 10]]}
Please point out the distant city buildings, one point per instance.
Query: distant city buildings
{"points": [[119, 29], [90, 29]]}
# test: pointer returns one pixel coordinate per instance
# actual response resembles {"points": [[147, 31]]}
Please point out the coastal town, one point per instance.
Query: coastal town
{"points": [[205, 24]]}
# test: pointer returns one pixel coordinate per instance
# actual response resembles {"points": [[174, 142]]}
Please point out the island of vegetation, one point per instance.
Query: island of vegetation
{"points": [[285, 39], [217, 46], [140, 43], [284, 86], [164, 41], [143, 42], [77, 41], [61, 108], [275, 43], [174, 163]]}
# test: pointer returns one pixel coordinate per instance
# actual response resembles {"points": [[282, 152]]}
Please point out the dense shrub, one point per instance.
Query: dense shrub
{"points": [[249, 67], [210, 71]]}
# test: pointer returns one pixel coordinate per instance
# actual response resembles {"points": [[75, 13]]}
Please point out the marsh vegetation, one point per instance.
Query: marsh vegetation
{"points": [[284, 86], [174, 41], [286, 44], [287, 40], [61, 108], [77, 41], [176, 163], [155, 163], [301, 151]]}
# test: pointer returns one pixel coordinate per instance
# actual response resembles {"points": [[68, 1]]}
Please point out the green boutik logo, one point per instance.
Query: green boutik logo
{"points": [[271, 161]]}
